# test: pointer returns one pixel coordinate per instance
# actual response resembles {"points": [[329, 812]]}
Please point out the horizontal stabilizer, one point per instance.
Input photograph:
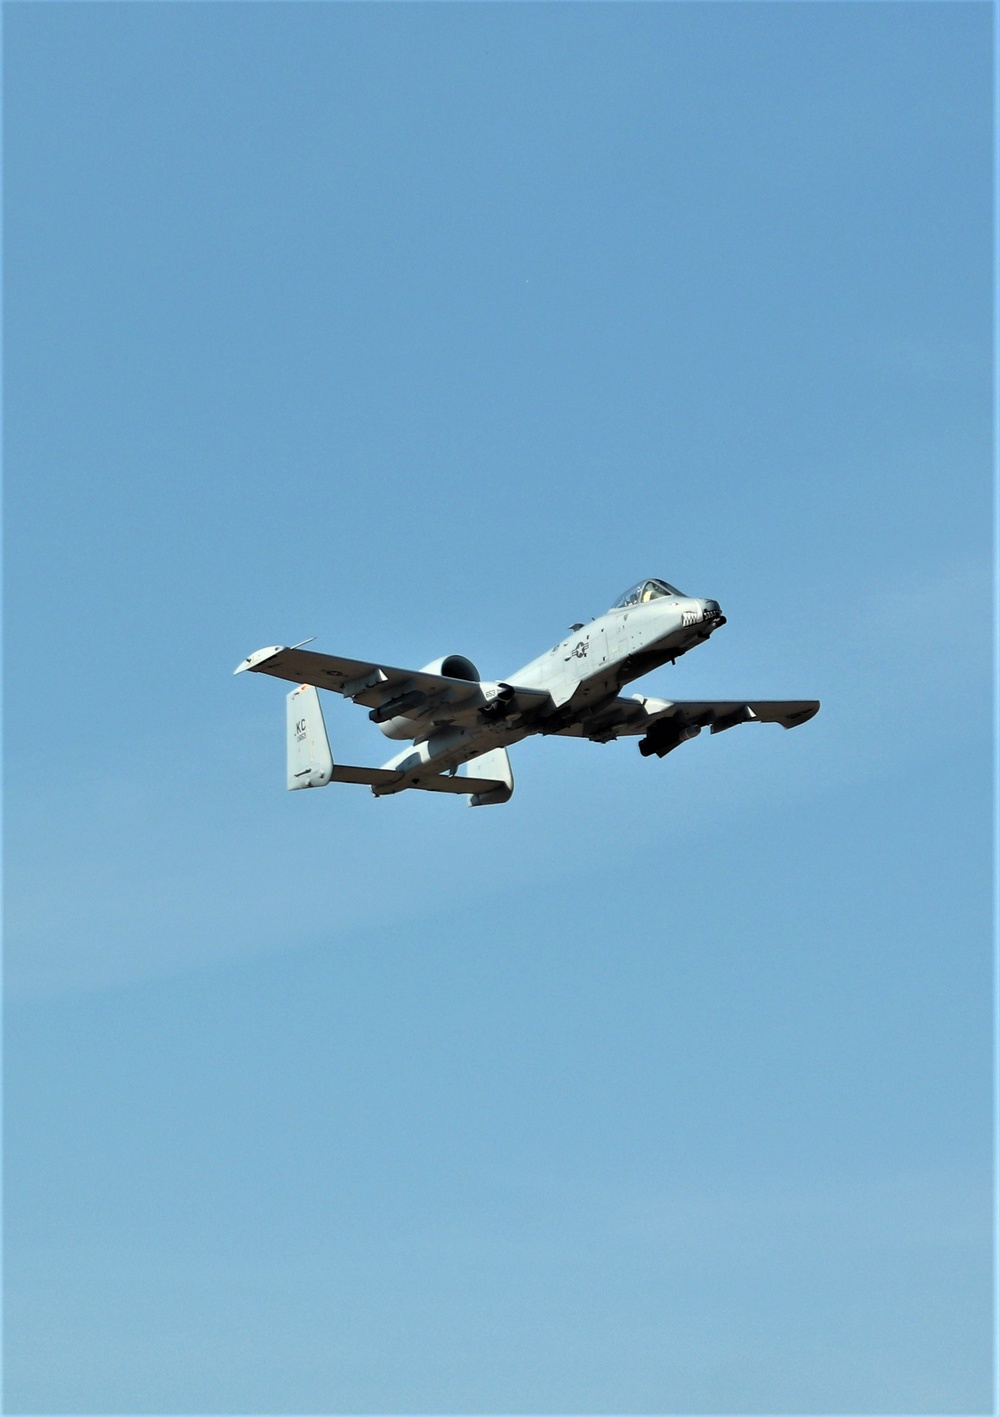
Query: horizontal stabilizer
{"points": [[384, 781], [387, 780], [310, 762], [446, 782], [365, 777]]}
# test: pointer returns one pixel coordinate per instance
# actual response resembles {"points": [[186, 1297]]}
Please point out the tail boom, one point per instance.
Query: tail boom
{"points": [[310, 762]]}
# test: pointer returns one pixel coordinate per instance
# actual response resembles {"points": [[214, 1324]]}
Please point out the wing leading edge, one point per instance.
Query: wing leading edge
{"points": [[720, 714], [387, 691], [363, 682], [667, 723]]}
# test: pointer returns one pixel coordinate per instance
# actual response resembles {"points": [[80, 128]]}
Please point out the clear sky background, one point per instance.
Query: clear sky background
{"points": [[430, 328]]}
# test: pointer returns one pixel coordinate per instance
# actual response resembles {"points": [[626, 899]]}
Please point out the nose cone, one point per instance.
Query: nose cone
{"points": [[711, 612]]}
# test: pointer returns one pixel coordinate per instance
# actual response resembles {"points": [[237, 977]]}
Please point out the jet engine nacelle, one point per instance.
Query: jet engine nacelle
{"points": [[453, 666], [449, 666]]}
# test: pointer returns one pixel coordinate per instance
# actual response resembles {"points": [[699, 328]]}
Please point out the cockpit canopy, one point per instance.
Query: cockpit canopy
{"points": [[645, 591]]}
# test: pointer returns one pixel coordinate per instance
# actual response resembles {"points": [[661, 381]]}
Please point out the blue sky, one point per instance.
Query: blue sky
{"points": [[427, 329]]}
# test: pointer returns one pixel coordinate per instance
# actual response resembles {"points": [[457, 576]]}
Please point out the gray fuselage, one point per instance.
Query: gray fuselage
{"points": [[580, 674]]}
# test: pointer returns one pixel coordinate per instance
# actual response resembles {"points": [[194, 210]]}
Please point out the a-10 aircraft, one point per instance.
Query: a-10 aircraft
{"points": [[452, 719]]}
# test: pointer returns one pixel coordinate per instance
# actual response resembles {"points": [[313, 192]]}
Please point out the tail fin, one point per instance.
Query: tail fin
{"points": [[310, 762], [496, 765]]}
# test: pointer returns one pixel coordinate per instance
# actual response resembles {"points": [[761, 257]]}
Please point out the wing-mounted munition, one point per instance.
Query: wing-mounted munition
{"points": [[458, 726]]}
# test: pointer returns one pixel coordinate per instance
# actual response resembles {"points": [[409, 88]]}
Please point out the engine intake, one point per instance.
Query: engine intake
{"points": [[453, 666]]}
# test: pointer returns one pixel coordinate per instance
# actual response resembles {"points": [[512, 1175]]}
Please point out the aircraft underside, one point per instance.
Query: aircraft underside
{"points": [[458, 727]]}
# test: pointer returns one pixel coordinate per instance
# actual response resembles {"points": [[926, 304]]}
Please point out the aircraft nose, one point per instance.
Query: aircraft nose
{"points": [[711, 611]]}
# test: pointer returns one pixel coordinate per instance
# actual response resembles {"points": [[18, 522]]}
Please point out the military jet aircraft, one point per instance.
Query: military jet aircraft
{"points": [[452, 719]]}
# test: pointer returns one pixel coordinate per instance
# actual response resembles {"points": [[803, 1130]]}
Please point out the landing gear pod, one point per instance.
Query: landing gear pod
{"points": [[310, 762]]}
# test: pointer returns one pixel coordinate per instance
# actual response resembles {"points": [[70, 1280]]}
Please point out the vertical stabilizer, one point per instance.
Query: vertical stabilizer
{"points": [[310, 762], [494, 764]]}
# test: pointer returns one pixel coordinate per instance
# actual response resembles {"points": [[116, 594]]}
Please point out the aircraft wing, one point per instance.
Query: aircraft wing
{"points": [[385, 690], [639, 715], [726, 713]]}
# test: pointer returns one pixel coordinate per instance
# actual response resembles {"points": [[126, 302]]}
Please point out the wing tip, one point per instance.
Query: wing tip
{"points": [[809, 710], [255, 660]]}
